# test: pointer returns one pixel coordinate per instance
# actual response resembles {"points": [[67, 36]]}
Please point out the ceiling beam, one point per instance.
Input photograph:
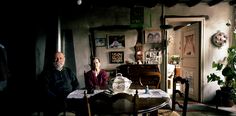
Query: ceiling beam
{"points": [[192, 3], [214, 2]]}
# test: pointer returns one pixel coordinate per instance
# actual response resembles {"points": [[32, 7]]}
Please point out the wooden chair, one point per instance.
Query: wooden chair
{"points": [[105, 104], [150, 78], [81, 107], [87, 109], [184, 95]]}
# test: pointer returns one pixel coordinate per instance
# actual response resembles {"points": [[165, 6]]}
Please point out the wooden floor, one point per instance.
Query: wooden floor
{"points": [[194, 109], [211, 111]]}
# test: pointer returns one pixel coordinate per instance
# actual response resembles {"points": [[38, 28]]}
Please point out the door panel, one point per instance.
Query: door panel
{"points": [[185, 42], [190, 55]]}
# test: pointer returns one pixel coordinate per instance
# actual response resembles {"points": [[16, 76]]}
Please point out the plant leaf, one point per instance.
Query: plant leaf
{"points": [[218, 66]]}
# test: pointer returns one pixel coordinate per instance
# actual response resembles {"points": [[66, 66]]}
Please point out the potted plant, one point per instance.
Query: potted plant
{"points": [[228, 82]]}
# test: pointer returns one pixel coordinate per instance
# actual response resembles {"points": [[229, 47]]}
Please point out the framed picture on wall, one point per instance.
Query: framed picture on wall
{"points": [[116, 57], [189, 42], [116, 41], [153, 36], [100, 42]]}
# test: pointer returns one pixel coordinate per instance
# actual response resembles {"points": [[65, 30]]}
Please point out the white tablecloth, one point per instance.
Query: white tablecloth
{"points": [[153, 93]]}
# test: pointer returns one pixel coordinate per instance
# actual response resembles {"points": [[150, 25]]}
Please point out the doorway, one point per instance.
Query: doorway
{"points": [[185, 41]]}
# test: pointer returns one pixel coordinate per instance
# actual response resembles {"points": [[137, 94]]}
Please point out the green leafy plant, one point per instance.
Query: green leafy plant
{"points": [[228, 70]]}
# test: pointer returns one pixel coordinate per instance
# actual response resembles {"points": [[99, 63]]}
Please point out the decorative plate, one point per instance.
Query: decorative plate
{"points": [[219, 38]]}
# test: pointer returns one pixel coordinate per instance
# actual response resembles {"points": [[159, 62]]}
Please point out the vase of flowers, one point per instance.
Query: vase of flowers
{"points": [[175, 59]]}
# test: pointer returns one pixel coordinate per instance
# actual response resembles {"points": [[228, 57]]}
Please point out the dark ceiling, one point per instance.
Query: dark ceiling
{"points": [[148, 3]]}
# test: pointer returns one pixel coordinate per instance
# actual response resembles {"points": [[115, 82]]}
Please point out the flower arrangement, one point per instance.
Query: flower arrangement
{"points": [[175, 59]]}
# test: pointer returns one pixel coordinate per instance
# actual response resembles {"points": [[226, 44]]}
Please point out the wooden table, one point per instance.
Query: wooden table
{"points": [[146, 103]]}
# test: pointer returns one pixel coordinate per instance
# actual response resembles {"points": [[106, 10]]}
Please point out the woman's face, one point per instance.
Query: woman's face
{"points": [[96, 63]]}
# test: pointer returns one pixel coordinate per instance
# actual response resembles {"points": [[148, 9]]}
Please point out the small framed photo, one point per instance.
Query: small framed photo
{"points": [[100, 42], [116, 57], [116, 41], [153, 36]]}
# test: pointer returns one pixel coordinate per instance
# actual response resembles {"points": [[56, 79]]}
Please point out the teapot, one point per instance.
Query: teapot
{"points": [[120, 84]]}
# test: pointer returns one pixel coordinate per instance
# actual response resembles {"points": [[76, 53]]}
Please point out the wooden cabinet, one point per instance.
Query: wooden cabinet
{"points": [[137, 74]]}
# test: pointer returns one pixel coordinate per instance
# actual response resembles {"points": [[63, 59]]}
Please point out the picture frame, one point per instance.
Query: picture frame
{"points": [[116, 57], [153, 36], [116, 41], [189, 43], [100, 42], [152, 57]]}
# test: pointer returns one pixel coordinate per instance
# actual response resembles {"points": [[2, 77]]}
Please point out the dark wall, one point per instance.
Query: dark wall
{"points": [[69, 51], [20, 29], [19, 43]]}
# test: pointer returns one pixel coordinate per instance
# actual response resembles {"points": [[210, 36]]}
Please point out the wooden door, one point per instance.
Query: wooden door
{"points": [[190, 58]]}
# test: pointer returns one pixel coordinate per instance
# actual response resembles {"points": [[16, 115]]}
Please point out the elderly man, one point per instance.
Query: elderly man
{"points": [[56, 83]]}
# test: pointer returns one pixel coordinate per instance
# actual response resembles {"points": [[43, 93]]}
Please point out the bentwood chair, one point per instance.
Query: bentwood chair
{"points": [[103, 104]]}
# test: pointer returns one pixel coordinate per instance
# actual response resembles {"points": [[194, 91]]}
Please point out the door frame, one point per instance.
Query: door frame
{"points": [[201, 19]]}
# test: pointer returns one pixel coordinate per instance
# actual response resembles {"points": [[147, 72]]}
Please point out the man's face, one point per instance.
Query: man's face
{"points": [[59, 60]]}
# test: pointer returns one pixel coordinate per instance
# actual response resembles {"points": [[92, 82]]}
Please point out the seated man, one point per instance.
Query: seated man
{"points": [[96, 78], [55, 84]]}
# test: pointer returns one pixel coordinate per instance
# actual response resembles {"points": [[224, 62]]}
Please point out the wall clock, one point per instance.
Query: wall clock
{"points": [[219, 39]]}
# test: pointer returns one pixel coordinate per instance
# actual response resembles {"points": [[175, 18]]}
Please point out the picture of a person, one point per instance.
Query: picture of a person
{"points": [[150, 38], [157, 38], [153, 37], [189, 48]]}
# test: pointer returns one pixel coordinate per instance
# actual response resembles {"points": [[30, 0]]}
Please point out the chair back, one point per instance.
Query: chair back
{"points": [[117, 104], [86, 107], [182, 94]]}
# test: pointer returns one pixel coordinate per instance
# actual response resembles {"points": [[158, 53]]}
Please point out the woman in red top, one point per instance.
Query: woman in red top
{"points": [[96, 78]]}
